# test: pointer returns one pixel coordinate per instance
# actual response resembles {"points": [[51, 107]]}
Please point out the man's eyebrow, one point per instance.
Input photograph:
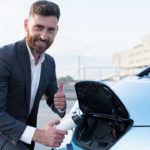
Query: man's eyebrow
{"points": [[51, 28], [39, 25]]}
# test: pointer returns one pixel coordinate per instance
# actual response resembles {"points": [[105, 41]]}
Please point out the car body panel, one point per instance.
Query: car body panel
{"points": [[137, 138], [134, 92]]}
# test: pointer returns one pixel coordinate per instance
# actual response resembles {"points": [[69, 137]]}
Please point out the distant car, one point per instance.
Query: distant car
{"points": [[116, 117]]}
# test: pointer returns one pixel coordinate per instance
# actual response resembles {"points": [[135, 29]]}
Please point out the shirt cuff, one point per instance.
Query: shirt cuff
{"points": [[28, 135]]}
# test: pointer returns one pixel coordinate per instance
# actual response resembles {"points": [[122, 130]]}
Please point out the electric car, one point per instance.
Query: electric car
{"points": [[115, 117]]}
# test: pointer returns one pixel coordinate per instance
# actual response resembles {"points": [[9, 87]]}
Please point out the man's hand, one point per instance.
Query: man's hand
{"points": [[59, 98], [49, 136]]}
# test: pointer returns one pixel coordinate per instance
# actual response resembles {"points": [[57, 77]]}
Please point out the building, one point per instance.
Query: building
{"points": [[130, 61]]}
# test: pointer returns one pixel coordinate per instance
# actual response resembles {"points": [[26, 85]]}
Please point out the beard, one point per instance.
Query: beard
{"points": [[37, 44]]}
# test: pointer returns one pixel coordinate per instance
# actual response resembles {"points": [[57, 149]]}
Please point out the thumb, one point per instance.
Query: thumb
{"points": [[60, 87]]}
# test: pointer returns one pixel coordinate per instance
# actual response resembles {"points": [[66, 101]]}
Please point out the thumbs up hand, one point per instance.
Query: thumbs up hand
{"points": [[59, 98]]}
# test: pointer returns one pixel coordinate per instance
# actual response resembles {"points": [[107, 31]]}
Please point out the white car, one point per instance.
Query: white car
{"points": [[116, 117]]}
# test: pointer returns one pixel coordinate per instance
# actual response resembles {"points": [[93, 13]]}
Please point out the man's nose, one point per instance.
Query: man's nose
{"points": [[44, 35]]}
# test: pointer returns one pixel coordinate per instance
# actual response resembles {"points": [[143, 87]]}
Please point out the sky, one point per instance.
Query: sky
{"points": [[90, 31]]}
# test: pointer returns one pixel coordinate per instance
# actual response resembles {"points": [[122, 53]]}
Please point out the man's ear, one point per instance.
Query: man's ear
{"points": [[26, 24]]}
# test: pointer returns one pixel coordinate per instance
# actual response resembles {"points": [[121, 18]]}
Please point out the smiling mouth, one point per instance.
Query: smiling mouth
{"points": [[41, 43]]}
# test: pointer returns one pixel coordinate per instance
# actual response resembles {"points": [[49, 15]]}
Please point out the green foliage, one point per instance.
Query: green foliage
{"points": [[65, 79]]}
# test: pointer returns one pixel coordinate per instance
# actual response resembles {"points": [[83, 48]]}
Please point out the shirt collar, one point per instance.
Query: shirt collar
{"points": [[42, 56]]}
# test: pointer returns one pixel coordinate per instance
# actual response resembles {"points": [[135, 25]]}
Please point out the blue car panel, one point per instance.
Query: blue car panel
{"points": [[134, 92]]}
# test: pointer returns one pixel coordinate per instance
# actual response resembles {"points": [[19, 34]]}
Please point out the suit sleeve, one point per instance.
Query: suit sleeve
{"points": [[10, 127], [52, 89]]}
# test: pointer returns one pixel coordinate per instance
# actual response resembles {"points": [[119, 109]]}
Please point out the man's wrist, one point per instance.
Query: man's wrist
{"points": [[38, 135]]}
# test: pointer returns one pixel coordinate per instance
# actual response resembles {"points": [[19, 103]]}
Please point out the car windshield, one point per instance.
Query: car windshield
{"points": [[145, 73]]}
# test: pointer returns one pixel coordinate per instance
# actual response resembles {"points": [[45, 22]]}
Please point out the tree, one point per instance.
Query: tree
{"points": [[66, 79]]}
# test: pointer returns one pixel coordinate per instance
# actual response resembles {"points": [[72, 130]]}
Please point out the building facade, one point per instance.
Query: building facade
{"points": [[131, 60]]}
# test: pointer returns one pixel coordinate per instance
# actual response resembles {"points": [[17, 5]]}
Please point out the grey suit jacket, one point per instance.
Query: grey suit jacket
{"points": [[15, 88]]}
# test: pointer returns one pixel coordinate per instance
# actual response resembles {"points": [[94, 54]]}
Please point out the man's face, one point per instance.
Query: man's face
{"points": [[41, 32]]}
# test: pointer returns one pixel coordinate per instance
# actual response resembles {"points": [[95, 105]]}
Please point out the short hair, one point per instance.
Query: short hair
{"points": [[44, 8]]}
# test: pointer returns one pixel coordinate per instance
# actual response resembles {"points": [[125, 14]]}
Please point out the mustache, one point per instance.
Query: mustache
{"points": [[43, 40]]}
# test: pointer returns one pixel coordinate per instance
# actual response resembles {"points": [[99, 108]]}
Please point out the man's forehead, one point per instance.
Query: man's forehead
{"points": [[43, 19]]}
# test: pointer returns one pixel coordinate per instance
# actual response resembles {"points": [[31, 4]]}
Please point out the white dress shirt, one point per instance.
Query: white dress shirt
{"points": [[35, 79]]}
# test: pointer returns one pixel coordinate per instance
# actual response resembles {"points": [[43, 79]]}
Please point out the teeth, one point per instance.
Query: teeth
{"points": [[41, 42]]}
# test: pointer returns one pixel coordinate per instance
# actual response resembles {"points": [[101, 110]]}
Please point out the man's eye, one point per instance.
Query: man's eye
{"points": [[38, 28], [51, 30]]}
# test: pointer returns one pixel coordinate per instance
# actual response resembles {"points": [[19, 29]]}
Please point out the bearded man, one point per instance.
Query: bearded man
{"points": [[26, 74]]}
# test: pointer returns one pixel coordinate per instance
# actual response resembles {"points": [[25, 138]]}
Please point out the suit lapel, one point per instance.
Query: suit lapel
{"points": [[25, 62]]}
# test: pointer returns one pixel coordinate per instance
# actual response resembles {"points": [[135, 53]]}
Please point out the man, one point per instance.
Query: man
{"points": [[26, 74]]}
